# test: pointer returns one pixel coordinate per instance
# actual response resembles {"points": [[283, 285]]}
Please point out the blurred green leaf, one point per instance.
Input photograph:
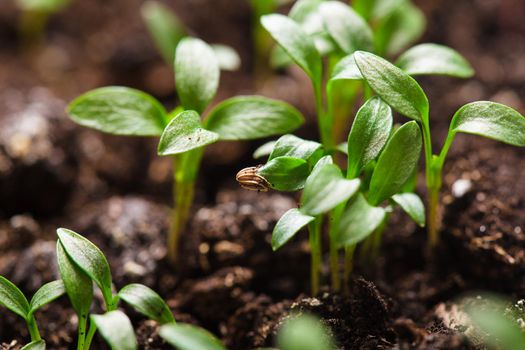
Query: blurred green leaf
{"points": [[227, 57], [412, 205], [189, 337], [35, 345], [251, 117], [358, 221], [115, 327], [436, 60], [304, 332], [147, 302], [196, 74], [264, 150]]}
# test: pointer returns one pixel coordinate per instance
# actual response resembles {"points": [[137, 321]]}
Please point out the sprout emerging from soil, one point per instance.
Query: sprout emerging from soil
{"points": [[35, 16], [384, 160], [187, 129]]}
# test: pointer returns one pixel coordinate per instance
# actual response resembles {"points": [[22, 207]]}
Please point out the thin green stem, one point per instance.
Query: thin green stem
{"points": [[349, 266], [377, 237], [335, 217], [186, 168], [82, 325], [90, 335], [33, 328], [31, 26], [314, 229], [324, 120], [433, 216]]}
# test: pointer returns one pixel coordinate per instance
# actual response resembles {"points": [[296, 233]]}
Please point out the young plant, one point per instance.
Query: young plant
{"points": [[167, 30], [187, 129], [315, 29], [35, 16], [14, 300], [353, 206], [403, 94]]}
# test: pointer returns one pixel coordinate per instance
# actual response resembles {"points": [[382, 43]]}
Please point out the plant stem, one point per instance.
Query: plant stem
{"points": [[324, 120], [33, 329], [433, 216], [185, 172], [349, 266], [82, 325], [335, 217], [377, 238], [314, 229], [31, 26], [91, 333]]}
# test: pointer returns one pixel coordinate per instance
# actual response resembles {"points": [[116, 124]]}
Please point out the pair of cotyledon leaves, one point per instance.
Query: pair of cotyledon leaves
{"points": [[125, 111]]}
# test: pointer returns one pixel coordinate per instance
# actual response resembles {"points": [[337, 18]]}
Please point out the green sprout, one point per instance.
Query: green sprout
{"points": [[403, 94], [167, 30], [316, 29], [187, 129], [14, 300], [35, 16]]}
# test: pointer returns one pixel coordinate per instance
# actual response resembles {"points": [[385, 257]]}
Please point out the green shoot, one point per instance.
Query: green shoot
{"points": [[402, 93], [35, 16], [187, 129], [167, 30], [116, 329], [190, 337], [14, 300]]}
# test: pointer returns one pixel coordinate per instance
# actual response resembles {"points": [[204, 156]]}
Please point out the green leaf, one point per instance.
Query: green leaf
{"points": [[119, 110], [358, 221], [43, 6], [402, 28], [346, 69], [304, 332], [285, 173], [501, 332], [12, 298], [147, 302], [492, 120], [412, 205], [35, 345], [189, 337], [115, 327], [396, 163], [46, 294], [251, 117], [299, 46], [293, 146], [393, 85], [264, 150], [325, 189], [349, 30], [90, 259], [78, 285], [227, 57], [164, 26], [196, 73], [369, 134], [287, 226], [436, 60], [184, 133], [302, 10]]}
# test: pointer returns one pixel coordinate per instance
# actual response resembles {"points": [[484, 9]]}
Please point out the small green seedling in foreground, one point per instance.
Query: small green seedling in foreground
{"points": [[183, 132], [403, 94], [167, 30], [13, 299], [35, 16]]}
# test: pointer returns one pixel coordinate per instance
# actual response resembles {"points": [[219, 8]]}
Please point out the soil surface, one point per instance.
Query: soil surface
{"points": [[116, 192]]}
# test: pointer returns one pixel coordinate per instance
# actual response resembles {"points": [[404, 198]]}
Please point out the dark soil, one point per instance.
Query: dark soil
{"points": [[115, 191]]}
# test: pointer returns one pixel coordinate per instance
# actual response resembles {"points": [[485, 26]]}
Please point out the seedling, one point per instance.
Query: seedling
{"points": [[183, 132], [403, 94], [13, 299], [167, 30], [35, 16], [315, 29]]}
